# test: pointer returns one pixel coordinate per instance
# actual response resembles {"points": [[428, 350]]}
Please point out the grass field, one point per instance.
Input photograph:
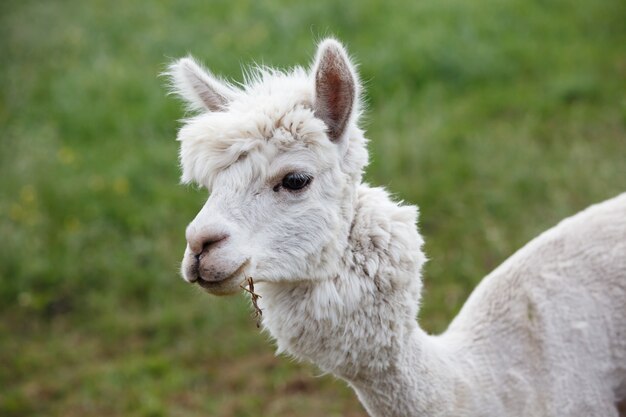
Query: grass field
{"points": [[496, 118]]}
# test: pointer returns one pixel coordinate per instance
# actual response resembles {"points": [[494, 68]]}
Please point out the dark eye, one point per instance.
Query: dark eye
{"points": [[295, 181]]}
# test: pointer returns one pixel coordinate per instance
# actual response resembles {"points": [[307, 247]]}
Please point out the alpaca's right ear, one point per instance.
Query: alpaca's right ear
{"points": [[198, 87]]}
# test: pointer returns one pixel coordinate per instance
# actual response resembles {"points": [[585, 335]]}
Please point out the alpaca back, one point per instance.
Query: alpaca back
{"points": [[551, 320]]}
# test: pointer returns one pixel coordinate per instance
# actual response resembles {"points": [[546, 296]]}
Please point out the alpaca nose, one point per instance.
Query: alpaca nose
{"points": [[202, 241]]}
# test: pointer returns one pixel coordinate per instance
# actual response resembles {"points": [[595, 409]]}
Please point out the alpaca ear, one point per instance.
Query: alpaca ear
{"points": [[336, 87], [198, 87]]}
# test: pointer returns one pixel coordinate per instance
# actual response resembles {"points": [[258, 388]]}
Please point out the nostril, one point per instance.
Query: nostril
{"points": [[201, 244], [211, 242]]}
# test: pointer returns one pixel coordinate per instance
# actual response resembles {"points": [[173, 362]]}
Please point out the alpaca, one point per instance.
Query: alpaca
{"points": [[337, 263]]}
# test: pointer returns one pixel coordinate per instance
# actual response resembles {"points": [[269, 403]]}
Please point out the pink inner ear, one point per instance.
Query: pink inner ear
{"points": [[335, 90], [213, 100], [198, 87]]}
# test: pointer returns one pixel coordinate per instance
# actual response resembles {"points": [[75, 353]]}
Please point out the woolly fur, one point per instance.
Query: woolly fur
{"points": [[338, 264]]}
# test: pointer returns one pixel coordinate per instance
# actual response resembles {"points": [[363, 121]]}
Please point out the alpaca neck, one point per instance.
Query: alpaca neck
{"points": [[360, 323], [426, 379]]}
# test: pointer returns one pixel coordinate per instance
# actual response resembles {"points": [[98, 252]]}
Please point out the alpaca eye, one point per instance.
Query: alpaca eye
{"points": [[296, 181]]}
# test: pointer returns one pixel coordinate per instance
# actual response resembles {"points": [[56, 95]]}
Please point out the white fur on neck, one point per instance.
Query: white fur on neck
{"points": [[372, 299], [361, 323]]}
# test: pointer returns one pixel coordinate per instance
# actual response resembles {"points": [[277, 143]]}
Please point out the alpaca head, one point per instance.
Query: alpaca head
{"points": [[281, 158]]}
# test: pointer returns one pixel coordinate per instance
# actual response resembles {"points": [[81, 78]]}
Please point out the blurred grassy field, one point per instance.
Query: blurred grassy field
{"points": [[496, 118]]}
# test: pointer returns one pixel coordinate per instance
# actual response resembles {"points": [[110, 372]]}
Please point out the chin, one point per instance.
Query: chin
{"points": [[229, 286]]}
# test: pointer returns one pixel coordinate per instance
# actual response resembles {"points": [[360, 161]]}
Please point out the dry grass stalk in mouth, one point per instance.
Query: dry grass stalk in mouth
{"points": [[248, 286]]}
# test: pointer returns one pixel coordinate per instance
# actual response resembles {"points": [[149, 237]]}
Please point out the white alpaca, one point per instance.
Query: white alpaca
{"points": [[337, 263]]}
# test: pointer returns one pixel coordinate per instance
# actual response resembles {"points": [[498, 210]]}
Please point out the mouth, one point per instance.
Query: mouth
{"points": [[226, 286]]}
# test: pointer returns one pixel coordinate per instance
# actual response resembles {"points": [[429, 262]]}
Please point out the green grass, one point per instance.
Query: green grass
{"points": [[496, 118]]}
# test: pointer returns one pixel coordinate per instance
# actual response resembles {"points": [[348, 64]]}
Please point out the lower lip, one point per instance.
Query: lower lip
{"points": [[210, 284], [213, 284]]}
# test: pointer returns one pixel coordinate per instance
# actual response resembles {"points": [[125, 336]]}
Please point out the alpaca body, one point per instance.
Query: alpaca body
{"points": [[552, 319], [338, 264], [544, 334]]}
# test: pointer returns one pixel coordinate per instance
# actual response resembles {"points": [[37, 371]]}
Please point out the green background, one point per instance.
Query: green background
{"points": [[498, 118]]}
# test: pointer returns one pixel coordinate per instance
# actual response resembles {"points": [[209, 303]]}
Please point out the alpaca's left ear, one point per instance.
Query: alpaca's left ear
{"points": [[198, 87], [336, 88]]}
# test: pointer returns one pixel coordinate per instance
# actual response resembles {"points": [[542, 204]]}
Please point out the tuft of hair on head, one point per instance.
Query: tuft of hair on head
{"points": [[337, 88], [197, 87]]}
